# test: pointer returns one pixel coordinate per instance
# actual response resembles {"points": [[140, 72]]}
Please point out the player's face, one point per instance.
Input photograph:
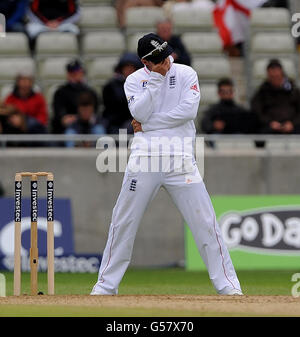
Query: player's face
{"points": [[150, 64]]}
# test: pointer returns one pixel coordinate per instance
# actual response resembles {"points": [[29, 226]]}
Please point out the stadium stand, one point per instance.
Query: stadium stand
{"points": [[203, 44], [14, 45], [56, 44], [211, 69], [103, 43], [143, 19], [191, 19], [95, 18], [10, 67], [100, 69], [269, 19]]}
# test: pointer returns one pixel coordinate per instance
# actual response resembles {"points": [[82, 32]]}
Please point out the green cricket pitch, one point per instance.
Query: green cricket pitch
{"points": [[156, 292]]}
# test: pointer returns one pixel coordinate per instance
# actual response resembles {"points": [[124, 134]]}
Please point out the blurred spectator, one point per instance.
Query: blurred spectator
{"points": [[65, 100], [116, 114], [164, 29], [14, 12], [227, 117], [52, 15], [87, 121], [2, 192], [276, 3], [123, 5], [10, 119], [30, 115], [277, 102]]}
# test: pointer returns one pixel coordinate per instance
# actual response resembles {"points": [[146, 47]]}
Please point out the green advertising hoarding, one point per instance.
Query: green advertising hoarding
{"points": [[261, 232]]}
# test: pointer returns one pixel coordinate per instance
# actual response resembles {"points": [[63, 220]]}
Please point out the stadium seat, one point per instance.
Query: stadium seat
{"points": [[56, 44], [15, 45], [52, 70], [143, 19], [270, 19], [103, 43], [191, 19], [101, 69], [271, 44], [208, 43], [98, 18], [211, 69], [49, 91], [11, 67], [132, 41], [209, 94], [5, 90]]}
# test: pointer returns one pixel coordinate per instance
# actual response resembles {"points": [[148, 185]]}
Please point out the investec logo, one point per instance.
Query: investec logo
{"points": [[50, 201], [18, 195], [274, 229], [34, 207]]}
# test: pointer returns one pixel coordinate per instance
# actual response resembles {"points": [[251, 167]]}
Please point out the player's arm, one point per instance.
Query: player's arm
{"points": [[141, 101], [185, 111]]}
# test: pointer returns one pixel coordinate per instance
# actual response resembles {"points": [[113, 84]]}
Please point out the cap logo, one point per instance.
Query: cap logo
{"points": [[157, 45], [158, 48]]}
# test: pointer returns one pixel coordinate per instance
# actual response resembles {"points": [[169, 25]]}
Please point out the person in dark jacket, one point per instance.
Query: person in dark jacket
{"points": [[277, 102], [14, 12], [88, 120], [65, 100], [164, 29], [116, 114], [227, 117], [53, 15]]}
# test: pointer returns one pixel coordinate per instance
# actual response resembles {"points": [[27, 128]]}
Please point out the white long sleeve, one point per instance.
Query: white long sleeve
{"points": [[142, 103], [166, 106], [185, 111]]}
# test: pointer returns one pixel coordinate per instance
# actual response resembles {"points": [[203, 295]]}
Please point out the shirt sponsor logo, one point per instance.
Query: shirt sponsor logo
{"points": [[172, 82], [144, 83], [130, 99], [133, 185], [195, 87]]}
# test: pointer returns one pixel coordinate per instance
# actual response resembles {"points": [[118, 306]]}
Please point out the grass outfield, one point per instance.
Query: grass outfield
{"points": [[161, 282], [165, 283]]}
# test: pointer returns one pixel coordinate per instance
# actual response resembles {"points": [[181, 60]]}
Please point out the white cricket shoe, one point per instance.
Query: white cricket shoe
{"points": [[230, 291], [98, 291]]}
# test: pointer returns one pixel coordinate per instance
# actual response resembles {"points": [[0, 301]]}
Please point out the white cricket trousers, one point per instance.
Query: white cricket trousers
{"points": [[191, 198]]}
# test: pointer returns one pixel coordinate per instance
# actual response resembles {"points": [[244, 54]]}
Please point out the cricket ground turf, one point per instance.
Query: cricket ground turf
{"points": [[155, 293]]}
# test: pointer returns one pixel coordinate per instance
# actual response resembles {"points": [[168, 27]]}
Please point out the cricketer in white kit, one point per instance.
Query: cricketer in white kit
{"points": [[163, 99]]}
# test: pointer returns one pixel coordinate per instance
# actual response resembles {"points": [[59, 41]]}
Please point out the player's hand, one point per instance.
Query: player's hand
{"points": [[162, 67], [137, 126]]}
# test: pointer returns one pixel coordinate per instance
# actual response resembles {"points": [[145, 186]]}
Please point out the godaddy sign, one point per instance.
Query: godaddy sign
{"points": [[274, 229], [261, 231]]}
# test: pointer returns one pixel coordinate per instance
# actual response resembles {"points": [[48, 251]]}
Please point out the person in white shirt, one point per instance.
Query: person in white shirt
{"points": [[163, 98]]}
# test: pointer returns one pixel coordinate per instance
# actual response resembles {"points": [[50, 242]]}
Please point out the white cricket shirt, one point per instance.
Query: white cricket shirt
{"points": [[166, 106]]}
